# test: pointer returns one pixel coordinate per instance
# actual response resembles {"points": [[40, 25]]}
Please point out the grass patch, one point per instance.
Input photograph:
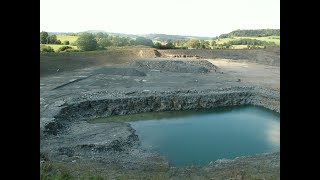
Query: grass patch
{"points": [[224, 40], [49, 171], [71, 39], [60, 171], [88, 171]]}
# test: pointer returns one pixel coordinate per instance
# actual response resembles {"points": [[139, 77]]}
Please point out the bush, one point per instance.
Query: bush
{"points": [[143, 41], [87, 42], [63, 48], [72, 50], [44, 37], [103, 42], [66, 42], [167, 46], [253, 42], [52, 39], [44, 48]]}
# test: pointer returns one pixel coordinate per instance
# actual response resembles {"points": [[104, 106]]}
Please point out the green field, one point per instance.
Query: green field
{"points": [[275, 39], [224, 40], [71, 39], [55, 47]]}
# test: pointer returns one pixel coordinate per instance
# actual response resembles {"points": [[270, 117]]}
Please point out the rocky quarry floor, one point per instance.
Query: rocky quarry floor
{"points": [[68, 100]]}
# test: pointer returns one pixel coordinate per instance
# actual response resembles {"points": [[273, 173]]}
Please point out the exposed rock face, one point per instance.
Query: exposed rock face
{"points": [[165, 101], [68, 134]]}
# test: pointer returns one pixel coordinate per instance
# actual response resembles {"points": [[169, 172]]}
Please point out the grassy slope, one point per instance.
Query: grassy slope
{"points": [[275, 39]]}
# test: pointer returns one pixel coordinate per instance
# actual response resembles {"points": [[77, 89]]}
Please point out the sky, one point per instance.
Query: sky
{"points": [[180, 17]]}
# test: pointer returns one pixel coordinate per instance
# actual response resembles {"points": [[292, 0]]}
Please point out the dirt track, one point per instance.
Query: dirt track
{"points": [[106, 87]]}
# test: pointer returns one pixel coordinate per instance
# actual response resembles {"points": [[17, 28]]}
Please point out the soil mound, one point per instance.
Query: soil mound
{"points": [[202, 66]]}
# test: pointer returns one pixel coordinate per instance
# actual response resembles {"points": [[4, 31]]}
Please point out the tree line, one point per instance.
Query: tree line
{"points": [[252, 33], [45, 38], [254, 42], [99, 41], [90, 42]]}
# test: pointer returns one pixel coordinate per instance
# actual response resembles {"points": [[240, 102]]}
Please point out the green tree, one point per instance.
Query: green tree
{"points": [[132, 42], [170, 45], [124, 41], [116, 41], [144, 41], [194, 44], [204, 44], [223, 36], [63, 48], [157, 45], [87, 42], [66, 42], [44, 37], [101, 35], [103, 42], [213, 43], [53, 39], [44, 48]]}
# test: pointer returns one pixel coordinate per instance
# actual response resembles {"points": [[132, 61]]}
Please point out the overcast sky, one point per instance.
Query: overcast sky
{"points": [[182, 17]]}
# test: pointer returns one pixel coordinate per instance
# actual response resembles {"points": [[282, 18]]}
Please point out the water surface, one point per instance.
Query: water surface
{"points": [[187, 137]]}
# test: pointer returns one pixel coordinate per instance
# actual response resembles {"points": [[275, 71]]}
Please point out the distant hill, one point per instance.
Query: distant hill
{"points": [[154, 37], [252, 33], [166, 37], [158, 37], [95, 31], [59, 33]]}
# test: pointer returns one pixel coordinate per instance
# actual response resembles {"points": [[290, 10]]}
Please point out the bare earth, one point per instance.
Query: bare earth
{"points": [[145, 82]]}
